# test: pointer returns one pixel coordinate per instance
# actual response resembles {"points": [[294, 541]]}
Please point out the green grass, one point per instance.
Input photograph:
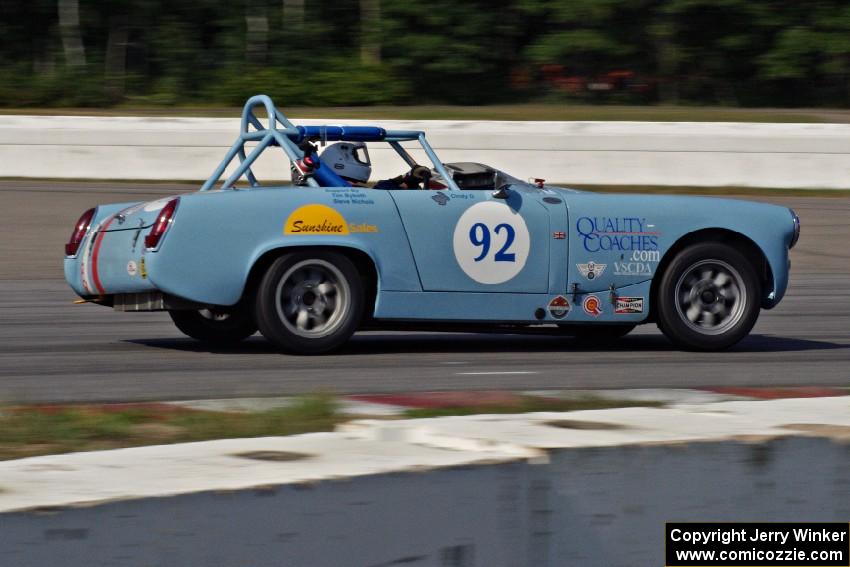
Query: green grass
{"points": [[491, 112], [529, 404], [44, 430], [31, 431]]}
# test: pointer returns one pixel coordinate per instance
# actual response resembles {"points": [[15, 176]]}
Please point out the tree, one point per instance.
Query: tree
{"points": [[69, 25]]}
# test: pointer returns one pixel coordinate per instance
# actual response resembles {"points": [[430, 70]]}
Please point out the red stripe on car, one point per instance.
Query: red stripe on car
{"points": [[95, 252]]}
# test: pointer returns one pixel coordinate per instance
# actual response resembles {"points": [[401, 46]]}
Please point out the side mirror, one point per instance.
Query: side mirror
{"points": [[502, 192]]}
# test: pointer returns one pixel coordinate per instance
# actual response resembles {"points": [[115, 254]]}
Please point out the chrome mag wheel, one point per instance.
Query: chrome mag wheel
{"points": [[711, 297], [313, 298]]}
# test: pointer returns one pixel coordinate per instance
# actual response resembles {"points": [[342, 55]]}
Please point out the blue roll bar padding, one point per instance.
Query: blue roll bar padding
{"points": [[326, 176], [340, 133]]}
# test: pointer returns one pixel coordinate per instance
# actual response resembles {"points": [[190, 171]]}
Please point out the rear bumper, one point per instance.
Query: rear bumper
{"points": [[152, 301]]}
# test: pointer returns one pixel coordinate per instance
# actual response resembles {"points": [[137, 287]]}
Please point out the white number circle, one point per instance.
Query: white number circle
{"points": [[491, 242]]}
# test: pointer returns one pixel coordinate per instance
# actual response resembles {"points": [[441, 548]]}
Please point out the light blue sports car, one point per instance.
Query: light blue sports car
{"points": [[446, 246]]}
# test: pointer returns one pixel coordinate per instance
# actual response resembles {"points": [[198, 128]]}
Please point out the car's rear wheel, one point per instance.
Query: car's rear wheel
{"points": [[309, 302], [597, 334], [218, 326], [708, 298]]}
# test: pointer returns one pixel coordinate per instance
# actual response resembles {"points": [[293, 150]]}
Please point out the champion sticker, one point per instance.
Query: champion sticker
{"points": [[491, 242], [628, 305], [591, 270], [592, 306], [142, 269], [559, 307], [132, 268]]}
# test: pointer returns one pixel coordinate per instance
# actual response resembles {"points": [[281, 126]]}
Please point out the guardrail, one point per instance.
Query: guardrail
{"points": [[606, 153]]}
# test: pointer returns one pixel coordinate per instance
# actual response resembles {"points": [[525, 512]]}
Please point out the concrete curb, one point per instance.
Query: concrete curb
{"points": [[378, 405], [530, 489]]}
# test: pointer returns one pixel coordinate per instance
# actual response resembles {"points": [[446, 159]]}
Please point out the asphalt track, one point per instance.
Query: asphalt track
{"points": [[52, 350]]}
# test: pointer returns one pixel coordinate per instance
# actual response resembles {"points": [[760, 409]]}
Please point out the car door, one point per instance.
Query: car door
{"points": [[471, 241]]}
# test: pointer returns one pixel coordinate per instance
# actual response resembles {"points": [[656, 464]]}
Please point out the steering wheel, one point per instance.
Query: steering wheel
{"points": [[418, 177]]}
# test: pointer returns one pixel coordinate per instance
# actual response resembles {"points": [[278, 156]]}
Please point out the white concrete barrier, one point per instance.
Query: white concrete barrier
{"points": [[606, 153], [589, 488]]}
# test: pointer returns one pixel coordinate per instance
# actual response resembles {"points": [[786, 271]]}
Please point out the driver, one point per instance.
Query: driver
{"points": [[350, 160]]}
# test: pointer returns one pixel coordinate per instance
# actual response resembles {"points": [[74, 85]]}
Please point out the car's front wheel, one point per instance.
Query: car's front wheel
{"points": [[217, 326], [708, 298], [309, 302]]}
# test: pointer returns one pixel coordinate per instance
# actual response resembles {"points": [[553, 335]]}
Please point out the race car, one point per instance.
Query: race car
{"points": [[452, 246]]}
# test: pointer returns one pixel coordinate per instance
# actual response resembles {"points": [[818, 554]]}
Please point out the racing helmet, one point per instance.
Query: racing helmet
{"points": [[350, 160]]}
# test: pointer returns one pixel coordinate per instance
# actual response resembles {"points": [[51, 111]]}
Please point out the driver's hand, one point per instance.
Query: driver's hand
{"points": [[420, 173]]}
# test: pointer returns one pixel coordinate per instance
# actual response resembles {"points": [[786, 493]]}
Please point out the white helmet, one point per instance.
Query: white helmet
{"points": [[349, 160]]}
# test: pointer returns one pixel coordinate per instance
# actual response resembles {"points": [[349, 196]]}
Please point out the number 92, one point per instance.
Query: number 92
{"points": [[479, 236]]}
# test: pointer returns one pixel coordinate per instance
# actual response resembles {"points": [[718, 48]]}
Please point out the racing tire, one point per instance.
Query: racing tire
{"points": [[220, 327], [708, 298], [309, 302], [597, 334]]}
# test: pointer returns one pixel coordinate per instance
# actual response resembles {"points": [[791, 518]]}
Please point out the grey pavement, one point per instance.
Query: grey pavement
{"points": [[52, 350]]}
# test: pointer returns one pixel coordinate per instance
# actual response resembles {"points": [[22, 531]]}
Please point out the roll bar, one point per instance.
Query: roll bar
{"points": [[289, 137]]}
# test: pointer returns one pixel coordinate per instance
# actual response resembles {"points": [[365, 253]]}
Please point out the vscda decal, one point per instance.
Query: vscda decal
{"points": [[639, 264], [617, 234], [632, 269]]}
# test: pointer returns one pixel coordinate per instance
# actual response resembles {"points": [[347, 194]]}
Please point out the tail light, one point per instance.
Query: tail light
{"points": [[163, 222], [80, 230]]}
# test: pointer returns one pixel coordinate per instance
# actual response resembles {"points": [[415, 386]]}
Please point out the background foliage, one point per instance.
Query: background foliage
{"points": [[370, 52]]}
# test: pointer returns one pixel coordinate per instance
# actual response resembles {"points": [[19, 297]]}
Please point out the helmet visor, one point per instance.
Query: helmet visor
{"points": [[361, 155]]}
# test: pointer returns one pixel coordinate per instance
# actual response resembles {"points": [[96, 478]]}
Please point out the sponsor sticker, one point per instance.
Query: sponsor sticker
{"points": [[616, 234], [142, 269], [628, 305], [632, 269], [640, 263], [491, 242], [132, 268], [315, 219], [321, 219], [591, 270], [592, 306], [440, 198], [559, 307]]}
